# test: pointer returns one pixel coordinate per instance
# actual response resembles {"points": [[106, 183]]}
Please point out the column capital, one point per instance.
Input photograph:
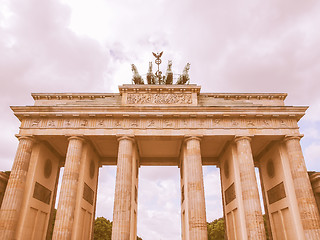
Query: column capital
{"points": [[29, 137], [192, 137], [127, 137], [291, 137], [78, 137], [242, 137]]}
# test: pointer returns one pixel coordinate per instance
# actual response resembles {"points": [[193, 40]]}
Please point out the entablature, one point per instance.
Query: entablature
{"points": [[167, 112], [159, 95]]}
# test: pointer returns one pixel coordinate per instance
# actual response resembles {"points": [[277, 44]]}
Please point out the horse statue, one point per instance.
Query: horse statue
{"points": [[184, 77], [150, 75], [169, 74], [137, 79], [159, 78]]}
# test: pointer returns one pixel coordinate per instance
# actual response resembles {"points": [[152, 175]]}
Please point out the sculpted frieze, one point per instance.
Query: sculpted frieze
{"points": [[160, 123], [161, 98]]}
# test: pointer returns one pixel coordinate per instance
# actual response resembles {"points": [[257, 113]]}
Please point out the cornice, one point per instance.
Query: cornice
{"points": [[157, 89], [248, 96], [161, 112], [130, 88], [72, 96]]}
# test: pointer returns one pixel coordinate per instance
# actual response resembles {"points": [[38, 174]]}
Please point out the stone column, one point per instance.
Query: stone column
{"points": [[307, 205], [250, 195], [122, 198], [11, 205], [195, 189], [67, 200]]}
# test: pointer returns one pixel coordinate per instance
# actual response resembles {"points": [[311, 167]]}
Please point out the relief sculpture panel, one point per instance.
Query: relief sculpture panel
{"points": [[160, 123], [164, 98]]}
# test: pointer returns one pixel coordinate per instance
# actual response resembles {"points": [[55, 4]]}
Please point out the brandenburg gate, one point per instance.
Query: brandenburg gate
{"points": [[152, 124]]}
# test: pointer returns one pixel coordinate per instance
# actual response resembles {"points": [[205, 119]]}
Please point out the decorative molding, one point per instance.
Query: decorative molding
{"points": [[158, 123], [161, 98]]}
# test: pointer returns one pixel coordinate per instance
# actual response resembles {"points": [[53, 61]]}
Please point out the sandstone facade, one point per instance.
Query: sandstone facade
{"points": [[159, 125]]}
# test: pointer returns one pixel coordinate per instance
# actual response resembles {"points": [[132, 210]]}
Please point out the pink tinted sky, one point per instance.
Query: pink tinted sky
{"points": [[88, 46]]}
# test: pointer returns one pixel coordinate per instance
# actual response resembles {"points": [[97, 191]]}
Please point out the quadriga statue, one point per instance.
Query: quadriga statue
{"points": [[169, 74], [184, 77], [137, 79], [150, 75]]}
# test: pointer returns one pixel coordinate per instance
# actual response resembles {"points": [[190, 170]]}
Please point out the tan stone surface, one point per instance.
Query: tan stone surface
{"points": [[250, 194], [315, 182], [280, 202], [122, 197], [39, 194], [11, 205], [66, 207], [4, 177], [234, 212], [159, 118], [195, 191], [307, 205]]}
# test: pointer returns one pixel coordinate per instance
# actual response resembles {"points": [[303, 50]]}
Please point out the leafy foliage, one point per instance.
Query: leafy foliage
{"points": [[265, 221], [102, 229], [216, 229]]}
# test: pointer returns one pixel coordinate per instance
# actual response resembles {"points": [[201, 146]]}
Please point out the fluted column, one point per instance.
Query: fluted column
{"points": [[307, 205], [68, 192], [195, 190], [122, 198], [249, 187], [11, 205]]}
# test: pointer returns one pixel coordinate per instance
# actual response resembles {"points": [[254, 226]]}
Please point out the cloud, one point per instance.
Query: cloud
{"points": [[312, 153], [88, 46], [45, 55], [106, 188], [159, 203]]}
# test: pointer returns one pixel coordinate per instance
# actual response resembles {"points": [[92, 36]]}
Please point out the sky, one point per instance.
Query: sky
{"points": [[88, 46]]}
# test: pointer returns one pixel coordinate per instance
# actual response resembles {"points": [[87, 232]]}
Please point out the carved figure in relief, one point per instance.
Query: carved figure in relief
{"points": [[84, 123], [150, 75], [169, 74], [159, 98], [217, 121], [137, 79], [250, 123], [51, 123], [35, 123], [117, 123], [282, 123], [266, 122], [67, 123], [184, 78], [168, 123], [185, 123], [100, 123], [234, 122], [150, 123], [134, 123]]}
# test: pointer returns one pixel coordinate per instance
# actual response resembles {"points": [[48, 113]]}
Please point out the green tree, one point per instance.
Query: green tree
{"points": [[102, 229], [216, 229], [265, 220]]}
